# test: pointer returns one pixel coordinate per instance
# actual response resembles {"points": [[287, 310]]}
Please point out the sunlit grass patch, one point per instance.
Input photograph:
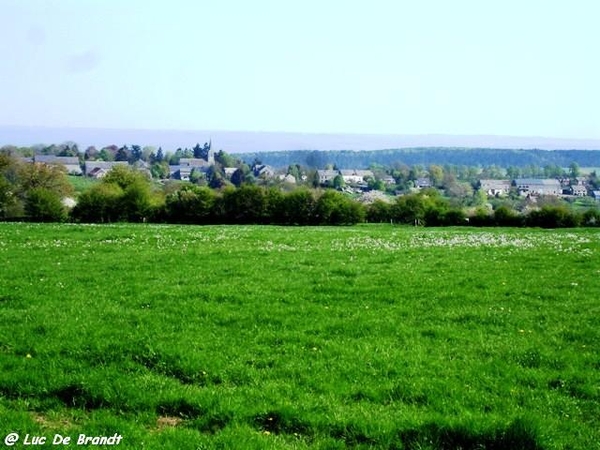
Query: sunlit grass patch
{"points": [[270, 337]]}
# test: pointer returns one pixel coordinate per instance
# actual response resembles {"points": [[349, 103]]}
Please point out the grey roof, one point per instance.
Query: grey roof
{"points": [[537, 181], [90, 165], [52, 159], [485, 182], [193, 162]]}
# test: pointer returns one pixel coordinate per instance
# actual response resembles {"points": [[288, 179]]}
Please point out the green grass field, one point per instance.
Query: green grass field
{"points": [[269, 337], [81, 183]]}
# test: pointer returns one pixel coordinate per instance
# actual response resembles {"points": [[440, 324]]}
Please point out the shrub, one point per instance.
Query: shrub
{"points": [[43, 205], [553, 217]]}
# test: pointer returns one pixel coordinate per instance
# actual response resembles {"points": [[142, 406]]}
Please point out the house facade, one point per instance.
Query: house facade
{"points": [[536, 186], [98, 169], [354, 176], [327, 176], [71, 163], [495, 188], [578, 190]]}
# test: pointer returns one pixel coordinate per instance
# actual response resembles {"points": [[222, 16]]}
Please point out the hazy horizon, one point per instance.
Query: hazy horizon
{"points": [[256, 141]]}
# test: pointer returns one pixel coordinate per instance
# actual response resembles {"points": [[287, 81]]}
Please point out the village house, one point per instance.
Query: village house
{"points": [[263, 171], [422, 183], [289, 178], [535, 186], [327, 176], [194, 163], [71, 163], [229, 171], [354, 176], [578, 190], [97, 169], [495, 188]]}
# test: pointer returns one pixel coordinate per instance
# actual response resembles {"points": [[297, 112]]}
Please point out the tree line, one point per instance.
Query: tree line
{"points": [[477, 157], [37, 192]]}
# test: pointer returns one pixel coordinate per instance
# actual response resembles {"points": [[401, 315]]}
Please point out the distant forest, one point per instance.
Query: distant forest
{"points": [[483, 157]]}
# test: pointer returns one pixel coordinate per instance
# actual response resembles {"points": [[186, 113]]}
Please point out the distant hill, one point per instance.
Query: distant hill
{"points": [[253, 142], [426, 156]]}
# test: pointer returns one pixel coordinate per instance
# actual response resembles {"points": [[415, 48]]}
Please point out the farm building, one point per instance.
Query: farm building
{"points": [[71, 163], [535, 186], [495, 188]]}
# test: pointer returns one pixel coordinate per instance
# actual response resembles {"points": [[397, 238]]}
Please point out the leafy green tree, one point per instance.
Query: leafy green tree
{"points": [[124, 176], [275, 200], [505, 216], [8, 201], [479, 197], [334, 208], [101, 203], [298, 207], [91, 153], [574, 170], [436, 174], [338, 182], [591, 218], [379, 212], [553, 217], [191, 204], [160, 170], [123, 154], [216, 177], [106, 155], [237, 178], [225, 159], [135, 154], [136, 201], [50, 177], [375, 184], [247, 204], [410, 209], [160, 156], [44, 205]]}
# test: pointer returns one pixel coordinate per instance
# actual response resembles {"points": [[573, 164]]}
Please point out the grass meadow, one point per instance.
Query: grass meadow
{"points": [[268, 337]]}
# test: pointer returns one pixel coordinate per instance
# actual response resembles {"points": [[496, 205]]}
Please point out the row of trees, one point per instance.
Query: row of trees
{"points": [[37, 192], [125, 196], [522, 160]]}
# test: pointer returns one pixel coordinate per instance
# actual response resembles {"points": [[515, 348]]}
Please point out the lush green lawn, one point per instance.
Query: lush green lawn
{"points": [[80, 183], [270, 337]]}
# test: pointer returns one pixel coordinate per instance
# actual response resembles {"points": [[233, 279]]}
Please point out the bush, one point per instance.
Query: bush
{"points": [[101, 203], [553, 217], [43, 205], [298, 208], [190, 204], [334, 208], [506, 217], [379, 212]]}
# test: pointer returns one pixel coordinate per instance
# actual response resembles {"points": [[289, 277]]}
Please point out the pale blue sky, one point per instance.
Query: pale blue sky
{"points": [[510, 67]]}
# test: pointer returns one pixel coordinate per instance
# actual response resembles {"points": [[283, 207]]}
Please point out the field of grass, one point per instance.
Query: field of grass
{"points": [[268, 337], [81, 183]]}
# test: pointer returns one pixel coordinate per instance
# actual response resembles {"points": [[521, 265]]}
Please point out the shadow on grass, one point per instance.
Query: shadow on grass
{"points": [[518, 435]]}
